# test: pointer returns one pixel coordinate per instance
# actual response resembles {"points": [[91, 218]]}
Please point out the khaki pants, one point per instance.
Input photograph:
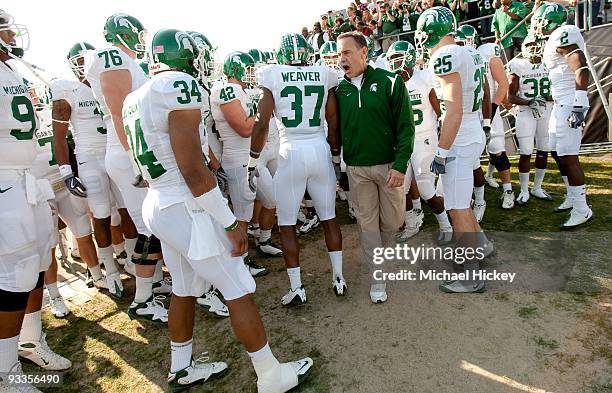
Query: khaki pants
{"points": [[380, 208]]}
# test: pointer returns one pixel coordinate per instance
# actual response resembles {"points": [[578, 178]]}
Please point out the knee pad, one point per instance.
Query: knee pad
{"points": [[542, 154], [40, 282], [343, 182], [13, 301], [501, 161], [145, 247], [425, 184]]}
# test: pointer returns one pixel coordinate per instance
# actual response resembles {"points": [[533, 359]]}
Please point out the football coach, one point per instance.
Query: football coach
{"points": [[377, 133]]}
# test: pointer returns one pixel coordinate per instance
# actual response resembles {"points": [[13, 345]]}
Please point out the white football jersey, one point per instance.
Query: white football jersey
{"points": [[45, 166], [300, 95], [145, 117], [88, 128], [110, 59], [489, 51], [235, 148], [471, 68], [419, 86], [533, 78], [18, 121], [562, 78]]}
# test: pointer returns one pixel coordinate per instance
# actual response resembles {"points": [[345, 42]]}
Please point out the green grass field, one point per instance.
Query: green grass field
{"points": [[558, 341]]}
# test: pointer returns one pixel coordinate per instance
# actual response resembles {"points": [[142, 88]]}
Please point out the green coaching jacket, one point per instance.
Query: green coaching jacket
{"points": [[376, 124]]}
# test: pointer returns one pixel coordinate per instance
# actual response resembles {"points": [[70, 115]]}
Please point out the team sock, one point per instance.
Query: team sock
{"points": [[443, 220], [524, 179], [118, 248], [130, 245], [578, 195], [8, 353], [416, 204], [336, 261], [159, 273], [408, 215], [263, 361], [490, 170], [144, 289], [96, 272], [479, 195], [105, 255], [566, 181], [538, 178], [265, 235], [53, 291], [507, 186], [295, 279], [180, 355], [31, 327]]}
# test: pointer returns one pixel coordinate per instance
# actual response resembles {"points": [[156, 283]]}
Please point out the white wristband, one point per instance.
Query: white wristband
{"points": [[252, 162], [440, 152], [215, 205], [336, 159], [65, 171], [486, 122], [581, 98]]}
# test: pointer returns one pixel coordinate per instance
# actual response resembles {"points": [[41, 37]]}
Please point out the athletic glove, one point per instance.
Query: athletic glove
{"points": [[139, 182], [577, 117], [537, 106], [438, 165], [253, 174], [73, 183], [222, 181]]}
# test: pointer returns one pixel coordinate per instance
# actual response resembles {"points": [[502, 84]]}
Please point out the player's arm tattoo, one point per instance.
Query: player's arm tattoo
{"points": [[61, 113]]}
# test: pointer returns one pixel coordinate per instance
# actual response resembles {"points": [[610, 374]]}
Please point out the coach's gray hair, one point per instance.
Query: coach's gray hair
{"points": [[357, 36]]}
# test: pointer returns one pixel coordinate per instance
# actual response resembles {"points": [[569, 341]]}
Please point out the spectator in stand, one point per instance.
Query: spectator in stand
{"points": [[505, 19], [375, 35], [472, 11], [367, 16], [305, 33], [361, 27], [486, 8], [318, 38], [459, 8], [341, 26], [387, 22]]}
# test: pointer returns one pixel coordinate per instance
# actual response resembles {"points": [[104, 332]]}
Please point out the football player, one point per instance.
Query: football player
{"points": [[210, 300], [401, 57], [113, 73], [460, 78], [302, 97], [530, 91], [201, 238], [74, 103], [27, 235], [72, 209], [569, 77], [233, 111]]}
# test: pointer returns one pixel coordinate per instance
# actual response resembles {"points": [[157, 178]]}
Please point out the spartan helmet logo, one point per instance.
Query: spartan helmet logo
{"points": [[183, 41], [238, 60], [123, 21]]}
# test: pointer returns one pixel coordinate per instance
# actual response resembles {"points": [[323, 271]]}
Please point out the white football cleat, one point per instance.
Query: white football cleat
{"points": [[576, 219], [420, 216], [268, 248], [255, 269], [285, 376], [310, 224], [541, 194], [479, 210], [152, 310], [378, 293], [301, 216], [459, 286], [294, 297], [564, 206], [7, 387], [412, 227], [339, 286], [522, 198], [445, 235], [198, 372], [210, 302], [163, 287], [100, 283], [490, 180], [114, 285], [507, 200], [39, 353], [58, 307]]}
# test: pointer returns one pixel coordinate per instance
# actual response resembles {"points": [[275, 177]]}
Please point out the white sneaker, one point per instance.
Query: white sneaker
{"points": [[507, 200], [255, 269], [541, 194], [490, 180], [58, 307], [152, 310], [163, 287], [285, 376], [114, 285], [269, 248], [39, 353], [129, 268], [378, 293], [294, 297], [411, 228], [522, 198], [310, 224], [198, 372], [479, 210], [445, 235], [564, 206], [339, 286], [7, 387], [575, 219], [210, 302]]}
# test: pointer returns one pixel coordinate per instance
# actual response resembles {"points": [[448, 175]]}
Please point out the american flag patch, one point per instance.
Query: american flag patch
{"points": [[158, 49]]}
